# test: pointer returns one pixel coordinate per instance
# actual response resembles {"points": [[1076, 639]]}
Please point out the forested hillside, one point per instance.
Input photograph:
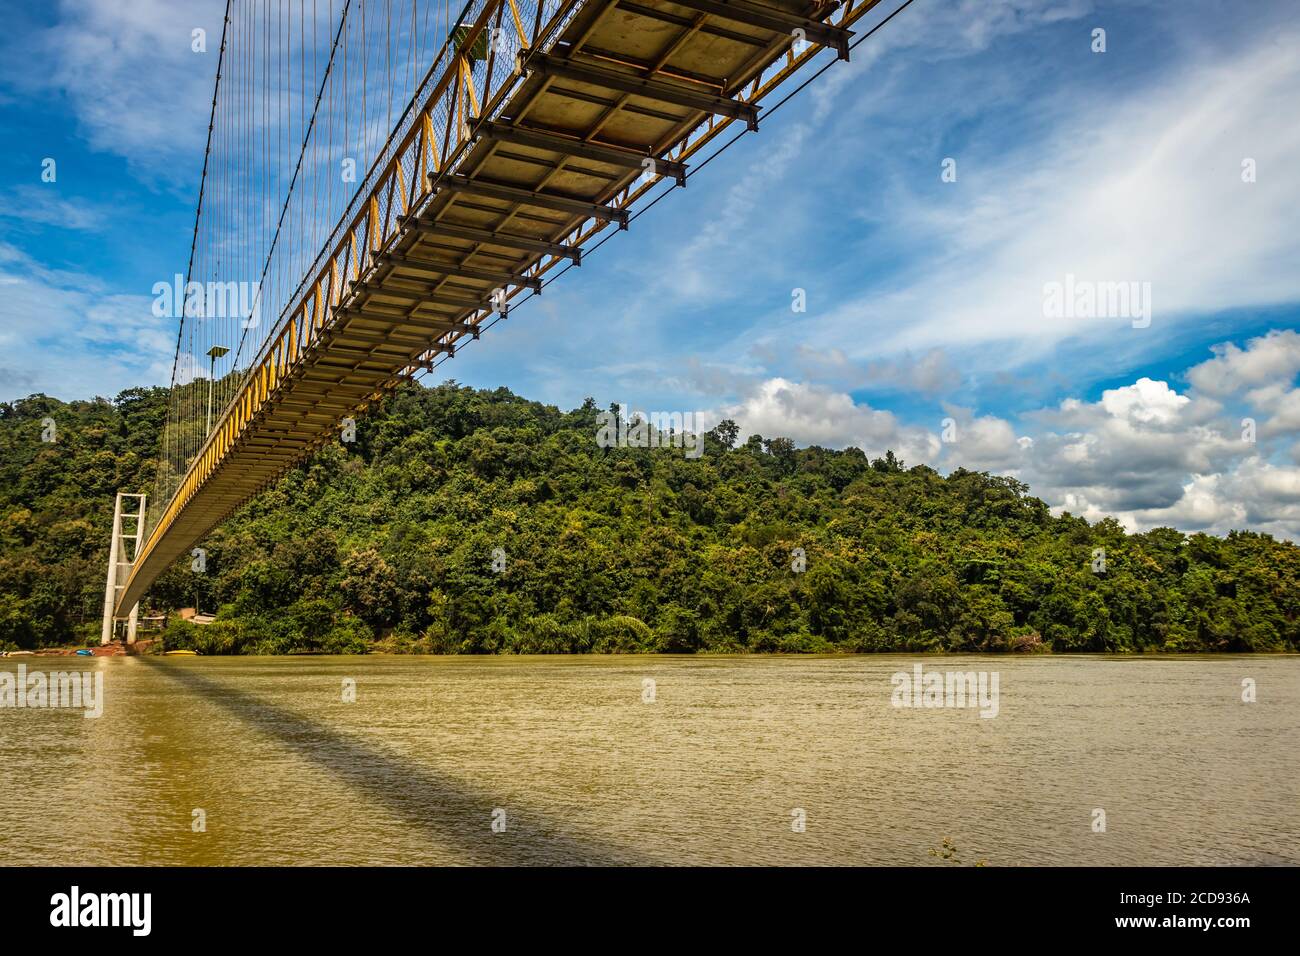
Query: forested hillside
{"points": [[390, 542]]}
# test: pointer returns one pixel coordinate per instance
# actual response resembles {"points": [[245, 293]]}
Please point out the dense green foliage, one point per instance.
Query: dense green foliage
{"points": [[56, 505], [390, 541]]}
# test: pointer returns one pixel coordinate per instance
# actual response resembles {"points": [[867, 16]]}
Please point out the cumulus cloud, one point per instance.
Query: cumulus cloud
{"points": [[1144, 453], [1261, 375], [1269, 360], [981, 443], [1145, 402], [1151, 456], [817, 415], [1131, 451], [1206, 503]]}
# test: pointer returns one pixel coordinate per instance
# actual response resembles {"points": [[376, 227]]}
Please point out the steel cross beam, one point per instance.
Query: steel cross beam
{"points": [[575, 207], [417, 321], [548, 64], [459, 271], [424, 292], [596, 152], [434, 227], [740, 11]]}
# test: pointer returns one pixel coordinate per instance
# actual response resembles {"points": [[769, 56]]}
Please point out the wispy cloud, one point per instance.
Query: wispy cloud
{"points": [[43, 205], [1127, 189], [72, 337], [128, 72]]}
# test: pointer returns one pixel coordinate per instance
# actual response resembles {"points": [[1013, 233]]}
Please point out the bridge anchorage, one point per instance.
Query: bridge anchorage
{"points": [[536, 125]]}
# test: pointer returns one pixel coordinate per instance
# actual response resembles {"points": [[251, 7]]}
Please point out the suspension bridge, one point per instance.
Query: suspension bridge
{"points": [[384, 180]]}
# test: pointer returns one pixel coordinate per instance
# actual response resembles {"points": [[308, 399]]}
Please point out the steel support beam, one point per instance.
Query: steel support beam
{"points": [[567, 146], [453, 269], [433, 227], [392, 337], [424, 292], [574, 207], [708, 29], [778, 21], [548, 64], [430, 323]]}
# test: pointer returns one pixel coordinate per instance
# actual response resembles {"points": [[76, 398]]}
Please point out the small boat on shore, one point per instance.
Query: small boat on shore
{"points": [[180, 653], [85, 653]]}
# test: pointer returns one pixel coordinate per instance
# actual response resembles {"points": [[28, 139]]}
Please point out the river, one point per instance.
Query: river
{"points": [[682, 760]]}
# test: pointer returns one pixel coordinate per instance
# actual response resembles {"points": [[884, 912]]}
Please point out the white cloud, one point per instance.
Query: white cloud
{"points": [[64, 334], [42, 204], [1150, 456], [970, 27], [1143, 453], [816, 415], [127, 69], [983, 443], [1128, 189], [1132, 451], [1270, 360], [1144, 402], [1206, 503]]}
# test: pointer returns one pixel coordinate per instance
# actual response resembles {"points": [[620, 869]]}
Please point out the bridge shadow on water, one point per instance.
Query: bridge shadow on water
{"points": [[452, 813]]}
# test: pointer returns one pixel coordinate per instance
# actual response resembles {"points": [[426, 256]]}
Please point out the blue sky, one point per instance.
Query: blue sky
{"points": [[925, 328]]}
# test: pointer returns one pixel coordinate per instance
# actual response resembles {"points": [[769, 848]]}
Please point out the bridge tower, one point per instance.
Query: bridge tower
{"points": [[119, 564]]}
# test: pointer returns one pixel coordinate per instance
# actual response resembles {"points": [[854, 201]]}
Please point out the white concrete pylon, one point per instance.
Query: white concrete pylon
{"points": [[117, 559], [110, 588]]}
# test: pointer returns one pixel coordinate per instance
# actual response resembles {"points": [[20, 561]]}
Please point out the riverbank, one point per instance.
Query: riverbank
{"points": [[110, 650], [144, 646], [398, 649]]}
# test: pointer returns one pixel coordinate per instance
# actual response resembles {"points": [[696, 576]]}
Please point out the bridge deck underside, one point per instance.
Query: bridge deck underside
{"points": [[624, 81]]}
